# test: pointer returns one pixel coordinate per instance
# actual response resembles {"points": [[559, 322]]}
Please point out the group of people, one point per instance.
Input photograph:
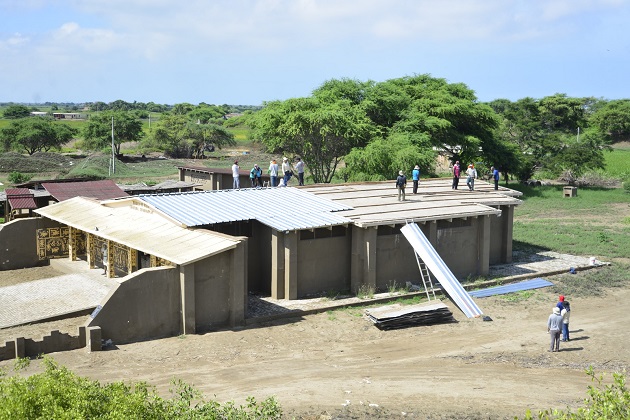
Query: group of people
{"points": [[401, 182], [471, 175], [558, 323], [256, 173]]}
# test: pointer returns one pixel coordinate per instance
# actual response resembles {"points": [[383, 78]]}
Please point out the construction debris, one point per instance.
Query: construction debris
{"points": [[402, 316]]}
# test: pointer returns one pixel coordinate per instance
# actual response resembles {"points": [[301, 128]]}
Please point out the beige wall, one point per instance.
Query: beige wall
{"points": [[459, 248], [212, 291], [18, 243], [324, 265], [395, 262], [145, 305]]}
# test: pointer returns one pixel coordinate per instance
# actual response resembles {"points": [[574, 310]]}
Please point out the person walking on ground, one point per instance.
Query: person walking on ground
{"points": [[287, 171], [255, 176], [299, 167], [401, 183], [565, 311], [415, 177], [456, 173], [495, 176], [236, 184], [273, 173], [471, 175], [554, 326]]}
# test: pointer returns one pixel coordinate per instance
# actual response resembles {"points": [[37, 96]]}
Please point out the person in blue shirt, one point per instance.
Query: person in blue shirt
{"points": [[495, 176], [415, 177]]}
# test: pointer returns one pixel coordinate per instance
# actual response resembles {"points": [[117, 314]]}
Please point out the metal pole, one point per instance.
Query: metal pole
{"points": [[113, 150]]}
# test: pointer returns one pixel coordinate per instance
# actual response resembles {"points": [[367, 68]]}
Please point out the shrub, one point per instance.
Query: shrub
{"points": [[16, 177]]}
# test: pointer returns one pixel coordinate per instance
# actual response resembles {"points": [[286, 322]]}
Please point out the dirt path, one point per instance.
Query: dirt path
{"points": [[339, 364]]}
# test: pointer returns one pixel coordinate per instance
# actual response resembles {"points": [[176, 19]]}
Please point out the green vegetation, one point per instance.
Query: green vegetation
{"points": [[605, 401], [590, 223], [58, 393]]}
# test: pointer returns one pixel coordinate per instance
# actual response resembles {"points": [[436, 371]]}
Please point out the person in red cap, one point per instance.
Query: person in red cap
{"points": [[565, 311]]}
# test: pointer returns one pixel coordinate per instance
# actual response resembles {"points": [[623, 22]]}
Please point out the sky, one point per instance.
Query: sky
{"points": [[247, 52]]}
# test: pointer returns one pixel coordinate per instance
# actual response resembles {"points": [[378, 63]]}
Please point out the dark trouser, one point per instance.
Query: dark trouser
{"points": [[253, 182], [287, 177], [415, 186], [300, 178], [565, 332], [455, 182], [496, 184], [259, 181], [274, 181], [555, 340]]}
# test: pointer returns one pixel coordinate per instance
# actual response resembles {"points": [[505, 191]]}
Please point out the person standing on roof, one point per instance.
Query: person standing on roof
{"points": [[273, 173], [415, 177], [287, 171], [236, 184], [401, 183], [255, 176], [456, 173], [299, 167], [495, 176], [471, 175]]}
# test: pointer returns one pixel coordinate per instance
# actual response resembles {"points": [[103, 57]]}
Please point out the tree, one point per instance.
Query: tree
{"points": [[36, 134], [16, 111], [321, 133], [613, 120], [98, 130], [179, 137]]}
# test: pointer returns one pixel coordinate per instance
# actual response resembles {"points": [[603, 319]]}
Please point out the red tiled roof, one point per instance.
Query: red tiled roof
{"points": [[20, 198], [100, 190]]}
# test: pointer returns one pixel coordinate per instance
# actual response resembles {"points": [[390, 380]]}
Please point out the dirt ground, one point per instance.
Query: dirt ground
{"points": [[338, 365]]}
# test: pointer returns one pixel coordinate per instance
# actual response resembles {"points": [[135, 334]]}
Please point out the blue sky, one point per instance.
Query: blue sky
{"points": [[249, 51]]}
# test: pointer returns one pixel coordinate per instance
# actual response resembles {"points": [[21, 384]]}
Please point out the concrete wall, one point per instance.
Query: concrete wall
{"points": [[145, 305], [395, 262], [458, 248], [18, 243], [212, 292], [323, 265], [51, 343]]}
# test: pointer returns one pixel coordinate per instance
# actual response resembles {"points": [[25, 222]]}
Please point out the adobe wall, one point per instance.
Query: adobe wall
{"points": [[145, 305], [18, 243], [323, 265]]}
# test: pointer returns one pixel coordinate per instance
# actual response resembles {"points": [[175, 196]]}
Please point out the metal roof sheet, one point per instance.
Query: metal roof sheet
{"points": [[101, 190], [280, 208], [134, 224], [536, 283], [20, 198]]}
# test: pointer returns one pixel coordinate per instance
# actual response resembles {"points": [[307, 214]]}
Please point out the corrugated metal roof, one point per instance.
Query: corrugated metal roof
{"points": [[20, 198], [536, 283], [280, 208], [133, 224], [101, 190]]}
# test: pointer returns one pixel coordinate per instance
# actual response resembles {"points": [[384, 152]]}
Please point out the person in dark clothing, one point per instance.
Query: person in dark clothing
{"points": [[456, 172], [495, 176], [401, 183]]}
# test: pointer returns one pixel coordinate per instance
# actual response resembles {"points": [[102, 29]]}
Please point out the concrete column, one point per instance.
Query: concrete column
{"points": [[291, 265], [109, 269], [238, 285], [370, 238], [483, 245], [187, 292], [507, 216], [72, 244], [20, 347], [182, 174], [277, 264], [357, 258], [89, 244], [432, 236], [94, 337]]}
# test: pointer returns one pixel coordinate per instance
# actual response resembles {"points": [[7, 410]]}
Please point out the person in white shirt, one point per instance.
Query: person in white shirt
{"points": [[299, 167], [471, 174], [235, 175], [286, 171], [273, 173]]}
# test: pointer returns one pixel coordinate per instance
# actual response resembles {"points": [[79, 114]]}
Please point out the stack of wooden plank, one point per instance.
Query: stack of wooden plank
{"points": [[402, 316]]}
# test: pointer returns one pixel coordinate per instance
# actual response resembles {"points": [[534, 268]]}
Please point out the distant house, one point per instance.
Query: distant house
{"points": [[69, 116]]}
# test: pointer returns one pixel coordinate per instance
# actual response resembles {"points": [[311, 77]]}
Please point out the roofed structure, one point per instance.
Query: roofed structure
{"points": [[100, 190]]}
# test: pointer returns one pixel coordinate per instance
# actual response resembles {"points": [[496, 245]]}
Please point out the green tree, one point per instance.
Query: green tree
{"points": [[98, 130], [613, 120], [16, 111], [321, 133], [180, 137], [36, 134]]}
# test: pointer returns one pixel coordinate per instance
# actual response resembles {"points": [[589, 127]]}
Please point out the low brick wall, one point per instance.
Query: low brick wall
{"points": [[52, 343]]}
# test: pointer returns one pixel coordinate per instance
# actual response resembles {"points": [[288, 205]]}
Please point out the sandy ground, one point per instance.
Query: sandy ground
{"points": [[338, 365]]}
